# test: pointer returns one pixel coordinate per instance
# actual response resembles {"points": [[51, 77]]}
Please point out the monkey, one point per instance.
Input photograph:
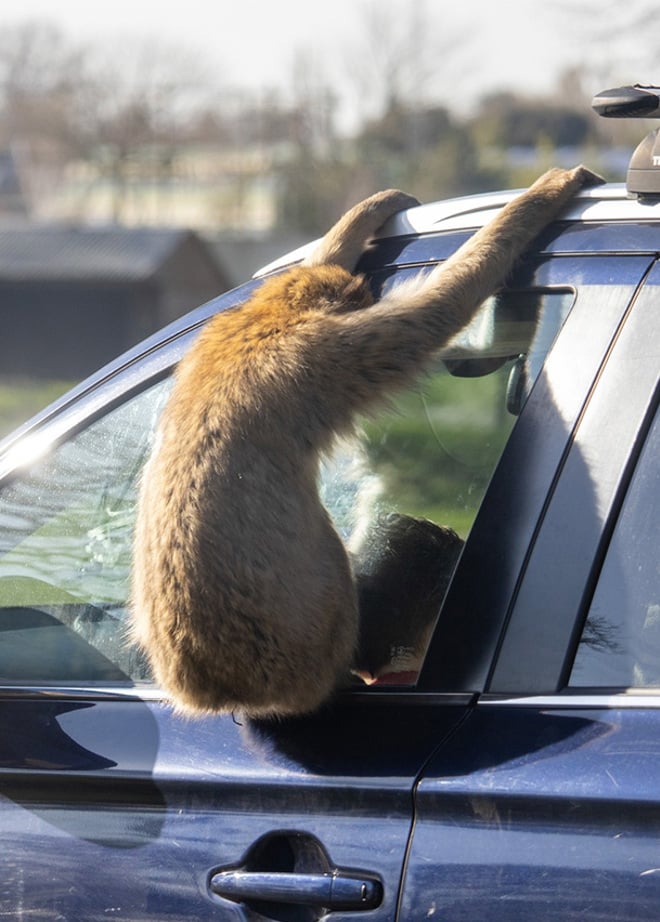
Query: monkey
{"points": [[402, 568], [243, 596]]}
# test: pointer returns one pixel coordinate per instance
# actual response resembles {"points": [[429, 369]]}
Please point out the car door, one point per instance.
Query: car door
{"points": [[113, 806], [545, 803]]}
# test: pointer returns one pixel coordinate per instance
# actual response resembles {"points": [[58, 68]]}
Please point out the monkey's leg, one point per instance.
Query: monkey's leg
{"points": [[344, 243]]}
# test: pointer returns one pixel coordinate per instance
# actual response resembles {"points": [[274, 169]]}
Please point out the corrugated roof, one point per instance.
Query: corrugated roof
{"points": [[63, 253]]}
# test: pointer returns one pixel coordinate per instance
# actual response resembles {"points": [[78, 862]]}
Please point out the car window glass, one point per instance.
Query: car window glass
{"points": [[433, 453], [620, 643], [65, 545], [66, 522]]}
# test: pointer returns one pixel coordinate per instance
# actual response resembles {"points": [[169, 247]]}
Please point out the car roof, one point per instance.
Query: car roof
{"points": [[607, 203]]}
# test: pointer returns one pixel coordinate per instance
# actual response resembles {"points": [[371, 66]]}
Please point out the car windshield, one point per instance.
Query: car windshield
{"points": [[65, 549]]}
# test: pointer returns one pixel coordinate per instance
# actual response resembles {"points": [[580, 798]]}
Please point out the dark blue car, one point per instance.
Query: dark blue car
{"points": [[518, 778]]}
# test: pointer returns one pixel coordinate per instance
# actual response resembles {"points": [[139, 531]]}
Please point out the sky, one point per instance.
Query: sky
{"points": [[516, 42], [481, 44]]}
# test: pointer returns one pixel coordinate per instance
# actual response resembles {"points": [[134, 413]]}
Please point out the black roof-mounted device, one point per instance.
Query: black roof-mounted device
{"points": [[637, 101]]}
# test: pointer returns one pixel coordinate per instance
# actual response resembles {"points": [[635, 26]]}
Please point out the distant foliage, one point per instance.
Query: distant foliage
{"points": [[148, 122]]}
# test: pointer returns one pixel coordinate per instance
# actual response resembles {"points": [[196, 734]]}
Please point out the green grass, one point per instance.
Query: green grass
{"points": [[21, 398], [435, 453]]}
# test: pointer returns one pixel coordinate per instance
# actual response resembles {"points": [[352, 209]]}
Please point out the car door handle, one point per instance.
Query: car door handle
{"points": [[330, 890]]}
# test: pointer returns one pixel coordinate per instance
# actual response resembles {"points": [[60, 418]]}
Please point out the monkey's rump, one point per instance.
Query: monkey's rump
{"points": [[243, 595]]}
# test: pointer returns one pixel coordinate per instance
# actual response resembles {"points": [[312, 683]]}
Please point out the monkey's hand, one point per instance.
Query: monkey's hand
{"points": [[344, 243], [508, 235], [587, 177], [559, 184], [382, 205]]}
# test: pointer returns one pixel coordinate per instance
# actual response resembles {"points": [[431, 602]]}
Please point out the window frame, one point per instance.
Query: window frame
{"points": [[550, 604], [630, 551]]}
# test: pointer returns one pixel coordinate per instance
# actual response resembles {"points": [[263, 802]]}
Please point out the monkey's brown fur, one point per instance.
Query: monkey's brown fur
{"points": [[243, 596]]}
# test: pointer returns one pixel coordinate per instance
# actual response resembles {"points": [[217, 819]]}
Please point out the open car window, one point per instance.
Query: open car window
{"points": [[66, 521], [430, 457], [433, 452]]}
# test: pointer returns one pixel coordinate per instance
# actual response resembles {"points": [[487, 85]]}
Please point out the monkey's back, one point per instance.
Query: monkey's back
{"points": [[240, 580]]}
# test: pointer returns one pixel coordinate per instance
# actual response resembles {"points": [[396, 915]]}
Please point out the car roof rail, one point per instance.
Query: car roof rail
{"points": [[638, 101]]}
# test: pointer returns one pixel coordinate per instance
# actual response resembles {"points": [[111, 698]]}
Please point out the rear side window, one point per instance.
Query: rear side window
{"points": [[620, 644]]}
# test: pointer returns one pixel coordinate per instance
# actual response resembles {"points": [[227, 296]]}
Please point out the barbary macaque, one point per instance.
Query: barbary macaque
{"points": [[244, 597]]}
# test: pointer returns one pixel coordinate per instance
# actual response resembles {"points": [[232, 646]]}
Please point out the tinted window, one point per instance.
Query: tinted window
{"points": [[620, 644]]}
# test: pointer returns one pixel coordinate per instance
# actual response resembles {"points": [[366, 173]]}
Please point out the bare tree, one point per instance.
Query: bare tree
{"points": [[616, 43], [120, 106], [140, 99], [41, 74], [399, 55]]}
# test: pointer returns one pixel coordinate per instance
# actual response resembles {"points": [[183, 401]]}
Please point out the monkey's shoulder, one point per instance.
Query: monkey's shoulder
{"points": [[303, 292], [281, 314]]}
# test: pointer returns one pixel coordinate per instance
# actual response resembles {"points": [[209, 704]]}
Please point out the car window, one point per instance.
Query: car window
{"points": [[620, 643], [66, 521], [431, 457], [433, 452], [65, 546]]}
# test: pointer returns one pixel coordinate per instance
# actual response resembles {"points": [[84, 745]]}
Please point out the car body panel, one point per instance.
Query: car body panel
{"points": [[540, 812], [117, 805]]}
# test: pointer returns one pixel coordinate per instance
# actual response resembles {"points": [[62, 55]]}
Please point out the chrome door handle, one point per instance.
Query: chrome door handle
{"points": [[331, 890]]}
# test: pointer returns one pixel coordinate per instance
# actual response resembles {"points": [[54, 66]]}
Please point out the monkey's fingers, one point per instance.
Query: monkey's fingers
{"points": [[386, 203], [563, 183], [587, 177]]}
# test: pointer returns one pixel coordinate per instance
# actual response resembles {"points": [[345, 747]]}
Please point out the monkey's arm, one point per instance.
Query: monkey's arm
{"points": [[483, 263], [345, 242], [386, 345]]}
